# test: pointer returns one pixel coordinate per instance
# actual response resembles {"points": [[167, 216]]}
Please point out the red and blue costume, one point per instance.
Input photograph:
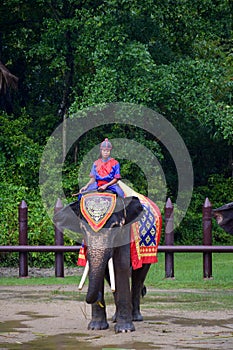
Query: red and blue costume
{"points": [[103, 172]]}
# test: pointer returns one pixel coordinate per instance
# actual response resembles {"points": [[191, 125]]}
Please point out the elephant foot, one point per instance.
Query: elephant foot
{"points": [[97, 325], [137, 316], [124, 327]]}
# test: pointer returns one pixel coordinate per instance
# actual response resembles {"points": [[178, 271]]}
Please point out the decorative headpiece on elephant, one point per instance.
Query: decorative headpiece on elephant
{"points": [[224, 217], [111, 241]]}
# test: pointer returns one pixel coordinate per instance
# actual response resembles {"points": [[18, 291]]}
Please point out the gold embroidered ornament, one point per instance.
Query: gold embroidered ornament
{"points": [[97, 208]]}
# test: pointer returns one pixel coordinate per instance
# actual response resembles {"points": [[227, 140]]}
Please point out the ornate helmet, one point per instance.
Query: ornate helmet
{"points": [[106, 144]]}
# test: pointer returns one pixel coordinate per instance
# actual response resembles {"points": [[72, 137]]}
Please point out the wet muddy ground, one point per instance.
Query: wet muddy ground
{"points": [[56, 317]]}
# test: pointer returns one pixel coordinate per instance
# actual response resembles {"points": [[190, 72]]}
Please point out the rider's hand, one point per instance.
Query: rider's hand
{"points": [[83, 189], [75, 194], [102, 188]]}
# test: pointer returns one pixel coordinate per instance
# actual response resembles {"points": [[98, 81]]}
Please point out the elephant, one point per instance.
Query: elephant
{"points": [[111, 241], [224, 217]]}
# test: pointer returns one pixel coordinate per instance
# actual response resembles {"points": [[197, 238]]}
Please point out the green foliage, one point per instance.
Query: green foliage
{"points": [[40, 227], [185, 92], [111, 51], [19, 154], [219, 192], [19, 173]]}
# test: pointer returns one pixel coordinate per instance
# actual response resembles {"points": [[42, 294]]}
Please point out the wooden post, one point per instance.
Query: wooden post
{"points": [[59, 240], [207, 237], [23, 238], [169, 239]]}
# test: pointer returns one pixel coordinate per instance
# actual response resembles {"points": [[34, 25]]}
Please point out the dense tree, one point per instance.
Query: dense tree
{"points": [[61, 48]]}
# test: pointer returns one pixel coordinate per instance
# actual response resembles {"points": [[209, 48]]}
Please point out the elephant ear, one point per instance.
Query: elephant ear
{"points": [[133, 208], [68, 217], [224, 217]]}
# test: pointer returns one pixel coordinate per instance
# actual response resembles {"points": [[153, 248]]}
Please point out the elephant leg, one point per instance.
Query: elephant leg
{"points": [[138, 289], [98, 310], [122, 296]]}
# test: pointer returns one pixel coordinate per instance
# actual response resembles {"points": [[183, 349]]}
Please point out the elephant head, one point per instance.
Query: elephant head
{"points": [[101, 244], [224, 217]]}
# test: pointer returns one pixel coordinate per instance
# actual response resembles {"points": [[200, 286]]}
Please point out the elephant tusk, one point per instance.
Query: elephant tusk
{"points": [[111, 274], [84, 276]]}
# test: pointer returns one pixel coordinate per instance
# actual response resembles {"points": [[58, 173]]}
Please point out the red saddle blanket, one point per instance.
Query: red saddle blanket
{"points": [[146, 234]]}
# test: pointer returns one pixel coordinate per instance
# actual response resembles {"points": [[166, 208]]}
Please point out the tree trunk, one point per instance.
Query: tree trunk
{"points": [[64, 138]]}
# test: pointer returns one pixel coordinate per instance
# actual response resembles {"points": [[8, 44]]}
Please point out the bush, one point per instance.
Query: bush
{"points": [[219, 191], [40, 227]]}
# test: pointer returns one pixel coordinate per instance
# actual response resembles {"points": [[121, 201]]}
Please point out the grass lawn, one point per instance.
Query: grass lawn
{"points": [[188, 271]]}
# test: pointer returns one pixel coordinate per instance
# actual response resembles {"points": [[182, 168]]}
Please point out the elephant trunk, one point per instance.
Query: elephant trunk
{"points": [[98, 260]]}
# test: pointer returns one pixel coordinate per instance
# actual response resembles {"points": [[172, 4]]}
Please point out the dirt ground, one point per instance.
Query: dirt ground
{"points": [[56, 317]]}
